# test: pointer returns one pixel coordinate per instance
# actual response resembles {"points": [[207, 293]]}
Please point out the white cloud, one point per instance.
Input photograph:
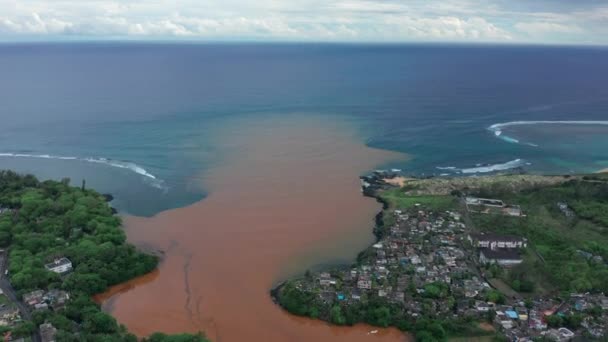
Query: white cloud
{"points": [[331, 20], [449, 28], [542, 28], [34, 25]]}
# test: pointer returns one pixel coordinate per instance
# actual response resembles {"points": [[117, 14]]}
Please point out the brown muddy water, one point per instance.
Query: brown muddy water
{"points": [[285, 197]]}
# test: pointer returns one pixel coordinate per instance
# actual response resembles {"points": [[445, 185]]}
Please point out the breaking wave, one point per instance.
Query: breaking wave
{"points": [[497, 129], [495, 167], [154, 181], [513, 164]]}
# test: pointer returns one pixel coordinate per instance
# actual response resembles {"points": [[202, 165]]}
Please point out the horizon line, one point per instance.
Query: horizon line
{"points": [[292, 42]]}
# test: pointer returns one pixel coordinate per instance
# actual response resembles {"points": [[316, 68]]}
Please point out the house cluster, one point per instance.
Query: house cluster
{"points": [[565, 209], [423, 252], [492, 206], [41, 300], [503, 250], [529, 322]]}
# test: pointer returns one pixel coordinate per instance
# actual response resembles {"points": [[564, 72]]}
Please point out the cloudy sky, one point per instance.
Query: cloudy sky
{"points": [[508, 21]]}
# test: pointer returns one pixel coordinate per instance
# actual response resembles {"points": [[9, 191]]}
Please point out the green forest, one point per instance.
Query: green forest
{"points": [[566, 252], [45, 220]]}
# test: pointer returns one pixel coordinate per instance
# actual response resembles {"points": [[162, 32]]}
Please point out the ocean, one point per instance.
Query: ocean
{"points": [[135, 119]]}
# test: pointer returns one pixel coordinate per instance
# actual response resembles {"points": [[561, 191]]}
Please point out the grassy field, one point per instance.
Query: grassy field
{"points": [[397, 199]]}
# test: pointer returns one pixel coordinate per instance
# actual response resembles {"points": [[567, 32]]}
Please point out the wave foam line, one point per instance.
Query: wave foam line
{"points": [[485, 168], [496, 167], [113, 163], [497, 128]]}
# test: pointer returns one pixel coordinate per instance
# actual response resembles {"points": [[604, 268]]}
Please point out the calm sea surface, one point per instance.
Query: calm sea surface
{"points": [[135, 119]]}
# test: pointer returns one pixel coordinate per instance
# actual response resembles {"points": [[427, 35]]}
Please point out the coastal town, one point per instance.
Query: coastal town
{"points": [[431, 261]]}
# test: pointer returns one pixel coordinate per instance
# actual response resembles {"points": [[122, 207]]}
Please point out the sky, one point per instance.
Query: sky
{"points": [[469, 21]]}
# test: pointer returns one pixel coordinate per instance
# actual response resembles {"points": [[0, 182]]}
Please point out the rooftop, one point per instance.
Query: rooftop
{"points": [[500, 254]]}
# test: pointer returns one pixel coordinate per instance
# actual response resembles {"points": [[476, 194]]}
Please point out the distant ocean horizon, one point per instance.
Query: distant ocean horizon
{"points": [[139, 120]]}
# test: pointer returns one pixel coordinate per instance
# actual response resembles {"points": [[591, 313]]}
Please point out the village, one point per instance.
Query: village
{"points": [[433, 263]]}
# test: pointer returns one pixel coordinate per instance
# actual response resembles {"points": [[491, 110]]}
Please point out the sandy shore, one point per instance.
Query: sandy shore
{"points": [[398, 181], [286, 198]]}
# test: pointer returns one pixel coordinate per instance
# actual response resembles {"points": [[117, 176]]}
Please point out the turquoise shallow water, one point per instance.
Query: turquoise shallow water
{"points": [[138, 120]]}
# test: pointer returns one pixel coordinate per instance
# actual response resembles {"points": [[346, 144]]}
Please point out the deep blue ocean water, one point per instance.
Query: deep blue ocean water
{"points": [[135, 119]]}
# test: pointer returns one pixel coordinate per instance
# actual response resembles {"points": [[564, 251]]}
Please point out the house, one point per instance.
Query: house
{"points": [[482, 306], [496, 241], [565, 209], [47, 332], [512, 210], [60, 266], [57, 299], [8, 314], [503, 320], [560, 335], [489, 206], [484, 201], [512, 314], [522, 313], [364, 283], [502, 257], [325, 279], [33, 298], [604, 304]]}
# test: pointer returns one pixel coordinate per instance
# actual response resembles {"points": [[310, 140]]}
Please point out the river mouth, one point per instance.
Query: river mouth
{"points": [[285, 197]]}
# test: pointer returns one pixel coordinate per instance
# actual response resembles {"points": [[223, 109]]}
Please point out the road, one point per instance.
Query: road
{"points": [[11, 294]]}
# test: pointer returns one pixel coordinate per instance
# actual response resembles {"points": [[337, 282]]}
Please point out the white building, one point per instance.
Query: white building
{"points": [[496, 241], [60, 266], [502, 257]]}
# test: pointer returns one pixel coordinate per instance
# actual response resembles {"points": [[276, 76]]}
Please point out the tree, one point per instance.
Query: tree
{"points": [[573, 321], [336, 316], [554, 321], [101, 323], [495, 296]]}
